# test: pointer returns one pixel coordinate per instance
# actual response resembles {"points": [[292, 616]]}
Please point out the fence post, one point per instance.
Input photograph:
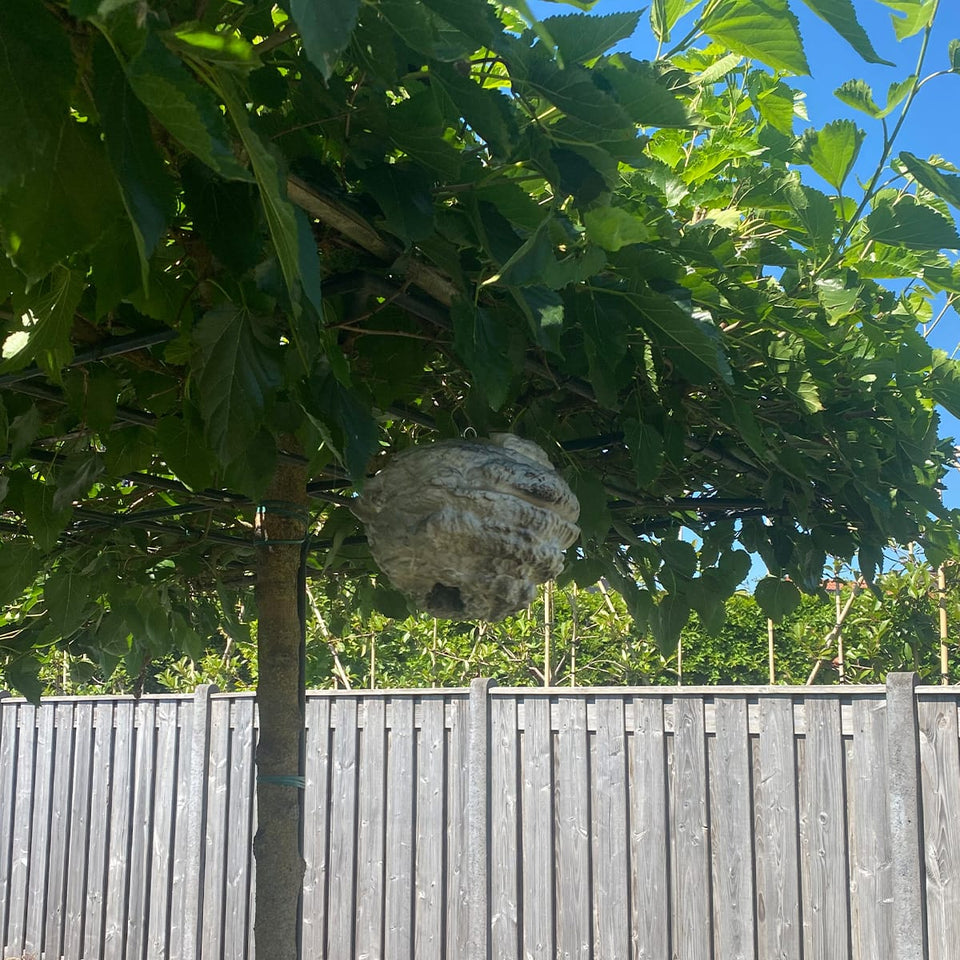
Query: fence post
{"points": [[478, 758], [906, 819], [196, 820]]}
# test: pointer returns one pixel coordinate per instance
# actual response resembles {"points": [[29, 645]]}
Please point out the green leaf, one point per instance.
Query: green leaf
{"points": [[580, 37], [19, 564], [859, 95], [23, 675], [842, 16], [595, 520], [92, 394], [912, 225], [24, 429], [486, 110], [147, 191], [75, 479], [645, 443], [916, 14], [664, 15], [944, 185], [224, 47], [44, 337], [181, 443], [765, 31], [776, 597], [66, 593], [188, 110], [680, 556], [718, 70], [44, 521], [325, 29], [128, 449], [237, 366], [897, 91], [667, 620], [482, 337], [953, 53], [640, 93], [604, 327], [403, 192], [613, 227], [832, 150], [816, 213], [63, 206], [35, 101]]}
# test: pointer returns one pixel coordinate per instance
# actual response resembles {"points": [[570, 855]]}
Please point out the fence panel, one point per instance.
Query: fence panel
{"points": [[650, 823]]}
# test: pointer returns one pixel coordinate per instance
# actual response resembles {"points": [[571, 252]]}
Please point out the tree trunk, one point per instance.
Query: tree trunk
{"points": [[281, 526]]}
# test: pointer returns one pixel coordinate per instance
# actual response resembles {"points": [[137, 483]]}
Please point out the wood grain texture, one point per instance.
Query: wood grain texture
{"points": [[237, 918], [504, 830], [217, 820], [370, 834], [195, 814], [608, 805], [59, 836], [9, 769], [457, 910], [940, 777], [693, 927], [100, 788], [40, 834], [114, 934], [164, 808], [342, 824], [80, 830], [572, 787], [141, 830], [649, 843], [871, 880], [428, 888], [824, 850], [537, 831], [776, 817], [401, 760], [22, 820], [731, 816], [316, 826]]}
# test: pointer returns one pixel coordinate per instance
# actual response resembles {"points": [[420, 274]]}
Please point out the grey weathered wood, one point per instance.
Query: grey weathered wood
{"points": [[871, 882], [316, 826], [237, 919], [650, 902], [940, 766], [141, 828], [731, 805], [9, 770], [504, 834], [400, 840], [80, 830], [693, 931], [100, 788], [182, 851], [537, 830], [906, 823], [115, 923], [196, 815], [370, 839], [608, 802], [826, 921], [776, 815], [217, 822], [430, 830], [23, 811], [341, 904], [40, 836], [478, 739], [573, 831], [164, 808], [59, 836], [456, 914]]}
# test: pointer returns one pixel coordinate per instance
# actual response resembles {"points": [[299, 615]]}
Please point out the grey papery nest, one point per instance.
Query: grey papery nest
{"points": [[467, 529]]}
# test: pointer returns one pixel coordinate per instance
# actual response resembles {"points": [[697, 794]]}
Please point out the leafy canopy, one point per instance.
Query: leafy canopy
{"points": [[237, 234]]}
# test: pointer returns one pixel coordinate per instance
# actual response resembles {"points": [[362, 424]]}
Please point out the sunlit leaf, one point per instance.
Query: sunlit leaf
{"points": [[859, 95], [842, 16], [910, 16], [832, 150], [912, 225], [767, 31], [325, 28], [776, 597], [580, 37], [944, 185]]}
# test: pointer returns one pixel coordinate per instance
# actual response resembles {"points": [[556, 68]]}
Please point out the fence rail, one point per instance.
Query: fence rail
{"points": [[650, 823]]}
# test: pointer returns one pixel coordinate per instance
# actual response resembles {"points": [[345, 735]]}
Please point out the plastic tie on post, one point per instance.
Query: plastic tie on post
{"points": [[283, 508], [284, 780]]}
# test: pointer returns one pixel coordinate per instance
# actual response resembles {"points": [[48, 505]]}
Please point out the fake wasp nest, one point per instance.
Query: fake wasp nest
{"points": [[467, 529]]}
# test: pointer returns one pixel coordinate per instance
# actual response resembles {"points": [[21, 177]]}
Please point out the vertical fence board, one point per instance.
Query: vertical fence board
{"points": [[341, 906], [40, 833], [196, 812], [731, 801], [650, 901], [141, 832], [239, 852], [102, 774], [694, 937], [428, 867], [871, 884], [504, 831], [537, 830], [400, 844], [941, 822], [80, 831], [573, 831], [182, 839], [9, 777], [457, 912], [608, 802], [370, 840], [120, 807], [776, 816], [826, 922], [163, 828], [59, 837], [316, 827], [217, 820], [22, 822]]}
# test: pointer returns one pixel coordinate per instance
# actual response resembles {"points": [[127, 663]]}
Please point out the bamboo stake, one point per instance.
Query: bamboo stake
{"points": [[547, 631], [771, 663], [942, 606]]}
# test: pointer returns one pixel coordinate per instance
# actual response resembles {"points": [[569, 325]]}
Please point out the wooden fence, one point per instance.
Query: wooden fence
{"points": [[653, 823]]}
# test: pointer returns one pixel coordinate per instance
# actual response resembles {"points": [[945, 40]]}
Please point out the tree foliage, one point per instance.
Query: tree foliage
{"points": [[239, 235]]}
